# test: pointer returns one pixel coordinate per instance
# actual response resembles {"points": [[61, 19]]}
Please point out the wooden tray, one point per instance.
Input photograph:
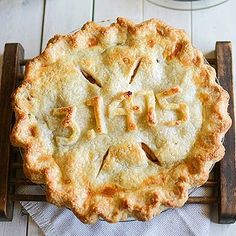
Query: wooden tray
{"points": [[224, 181]]}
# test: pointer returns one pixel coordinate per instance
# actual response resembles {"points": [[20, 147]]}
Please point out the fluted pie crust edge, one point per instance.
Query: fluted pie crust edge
{"points": [[168, 189]]}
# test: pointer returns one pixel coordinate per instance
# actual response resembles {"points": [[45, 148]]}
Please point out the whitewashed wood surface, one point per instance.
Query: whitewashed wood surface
{"points": [[33, 22]]}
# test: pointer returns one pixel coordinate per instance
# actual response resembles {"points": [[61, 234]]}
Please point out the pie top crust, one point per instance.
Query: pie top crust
{"points": [[121, 120]]}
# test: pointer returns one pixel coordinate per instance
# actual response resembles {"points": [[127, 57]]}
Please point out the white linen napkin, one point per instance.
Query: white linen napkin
{"points": [[192, 219]]}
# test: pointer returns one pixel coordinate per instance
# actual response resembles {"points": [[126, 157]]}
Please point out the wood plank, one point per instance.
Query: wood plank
{"points": [[132, 9], [11, 68], [28, 197], [227, 202], [214, 24], [222, 230], [210, 25], [17, 18], [33, 228], [62, 17], [21, 22], [18, 225], [178, 19]]}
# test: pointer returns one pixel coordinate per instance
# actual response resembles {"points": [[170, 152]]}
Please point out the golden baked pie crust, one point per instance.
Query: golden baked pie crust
{"points": [[62, 120]]}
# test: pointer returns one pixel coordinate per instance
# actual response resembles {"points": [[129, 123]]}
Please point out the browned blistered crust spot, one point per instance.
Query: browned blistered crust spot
{"points": [[182, 178], [109, 191], [170, 184], [154, 199], [44, 158], [136, 108], [126, 60], [171, 91], [67, 181], [67, 119], [34, 131], [176, 52], [160, 180], [160, 31], [92, 42], [164, 30], [178, 190], [204, 97], [197, 60], [194, 165], [151, 43]]}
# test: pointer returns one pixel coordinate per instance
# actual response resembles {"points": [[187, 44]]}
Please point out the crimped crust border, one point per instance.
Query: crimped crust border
{"points": [[145, 202]]}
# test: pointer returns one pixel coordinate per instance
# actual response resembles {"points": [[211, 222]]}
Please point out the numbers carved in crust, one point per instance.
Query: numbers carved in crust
{"points": [[122, 105], [68, 121], [181, 108]]}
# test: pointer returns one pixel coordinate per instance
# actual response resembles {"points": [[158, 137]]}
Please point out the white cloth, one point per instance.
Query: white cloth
{"points": [[192, 219]]}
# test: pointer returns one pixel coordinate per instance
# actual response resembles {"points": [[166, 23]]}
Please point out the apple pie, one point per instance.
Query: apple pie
{"points": [[120, 121]]}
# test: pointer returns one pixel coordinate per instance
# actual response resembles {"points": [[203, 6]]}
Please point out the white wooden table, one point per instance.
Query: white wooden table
{"points": [[33, 22]]}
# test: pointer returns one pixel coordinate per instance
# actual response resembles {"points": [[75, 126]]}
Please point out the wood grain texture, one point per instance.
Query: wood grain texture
{"points": [[63, 16], [17, 226], [33, 228], [227, 202], [222, 230], [11, 68], [178, 19], [214, 24], [21, 21], [132, 9]]}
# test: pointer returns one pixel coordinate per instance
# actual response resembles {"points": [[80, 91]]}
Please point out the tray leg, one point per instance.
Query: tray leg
{"points": [[227, 173], [13, 53]]}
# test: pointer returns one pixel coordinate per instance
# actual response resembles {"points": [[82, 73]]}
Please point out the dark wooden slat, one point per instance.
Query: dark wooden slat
{"points": [[17, 181], [211, 61], [20, 77], [24, 61], [17, 165], [24, 197], [210, 183], [201, 200], [11, 67], [227, 186]]}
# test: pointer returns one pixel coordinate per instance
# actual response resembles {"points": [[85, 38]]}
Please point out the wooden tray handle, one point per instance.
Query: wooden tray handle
{"points": [[227, 173], [13, 53], [13, 56]]}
